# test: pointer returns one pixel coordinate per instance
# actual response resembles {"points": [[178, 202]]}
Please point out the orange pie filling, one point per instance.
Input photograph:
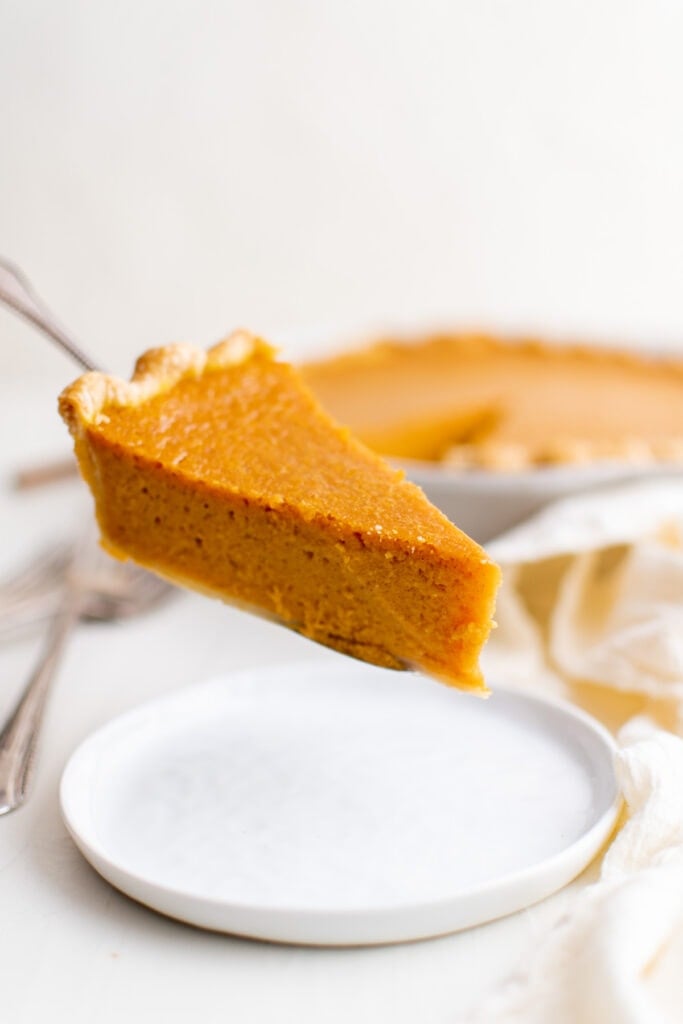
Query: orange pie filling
{"points": [[220, 471], [474, 400]]}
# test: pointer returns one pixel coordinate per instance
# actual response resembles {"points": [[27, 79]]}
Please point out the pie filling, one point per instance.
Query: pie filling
{"points": [[221, 471]]}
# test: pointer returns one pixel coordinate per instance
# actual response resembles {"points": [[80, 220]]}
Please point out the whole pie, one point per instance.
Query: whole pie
{"points": [[221, 471], [478, 401]]}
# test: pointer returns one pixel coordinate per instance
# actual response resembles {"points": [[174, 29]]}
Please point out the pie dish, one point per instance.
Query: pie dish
{"points": [[220, 471], [473, 401]]}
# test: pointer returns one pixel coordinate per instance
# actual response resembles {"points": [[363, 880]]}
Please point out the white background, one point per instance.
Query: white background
{"points": [[170, 170]]}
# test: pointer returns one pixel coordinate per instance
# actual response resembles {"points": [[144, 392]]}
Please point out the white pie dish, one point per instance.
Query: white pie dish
{"points": [[486, 503]]}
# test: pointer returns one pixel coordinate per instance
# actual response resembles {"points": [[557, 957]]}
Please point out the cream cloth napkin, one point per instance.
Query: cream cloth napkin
{"points": [[592, 609]]}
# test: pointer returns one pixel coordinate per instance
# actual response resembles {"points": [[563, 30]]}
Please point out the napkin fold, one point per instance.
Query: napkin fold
{"points": [[593, 596], [590, 968], [592, 609]]}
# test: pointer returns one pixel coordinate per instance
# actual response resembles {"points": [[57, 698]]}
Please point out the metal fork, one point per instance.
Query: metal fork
{"points": [[35, 592], [95, 586], [42, 574]]}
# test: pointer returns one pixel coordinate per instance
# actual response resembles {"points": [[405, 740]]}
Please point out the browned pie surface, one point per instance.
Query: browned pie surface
{"points": [[477, 400], [222, 472]]}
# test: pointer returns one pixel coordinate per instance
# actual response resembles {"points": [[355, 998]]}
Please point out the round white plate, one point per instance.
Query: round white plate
{"points": [[340, 804]]}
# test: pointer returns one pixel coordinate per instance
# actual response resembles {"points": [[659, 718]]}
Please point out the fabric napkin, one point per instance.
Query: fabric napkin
{"points": [[592, 602], [592, 609]]}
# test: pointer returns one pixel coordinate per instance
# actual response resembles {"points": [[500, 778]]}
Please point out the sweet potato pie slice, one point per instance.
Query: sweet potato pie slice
{"points": [[220, 471]]}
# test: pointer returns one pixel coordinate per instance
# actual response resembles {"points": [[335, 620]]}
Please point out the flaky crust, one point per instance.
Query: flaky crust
{"points": [[87, 400]]}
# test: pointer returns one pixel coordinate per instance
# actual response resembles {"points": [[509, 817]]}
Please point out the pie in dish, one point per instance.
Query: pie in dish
{"points": [[220, 471], [478, 401]]}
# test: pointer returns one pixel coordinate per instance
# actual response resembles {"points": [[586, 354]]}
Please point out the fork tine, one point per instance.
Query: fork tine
{"points": [[110, 589], [123, 589], [42, 571]]}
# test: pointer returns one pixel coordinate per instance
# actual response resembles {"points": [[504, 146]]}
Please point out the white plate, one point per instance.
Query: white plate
{"points": [[335, 803]]}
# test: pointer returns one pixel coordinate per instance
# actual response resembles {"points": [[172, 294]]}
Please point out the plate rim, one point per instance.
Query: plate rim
{"points": [[544, 877]]}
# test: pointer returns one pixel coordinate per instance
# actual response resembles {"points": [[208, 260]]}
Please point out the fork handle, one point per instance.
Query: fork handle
{"points": [[20, 734]]}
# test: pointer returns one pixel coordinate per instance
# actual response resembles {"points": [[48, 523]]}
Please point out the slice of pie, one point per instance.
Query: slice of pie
{"points": [[505, 404], [220, 471]]}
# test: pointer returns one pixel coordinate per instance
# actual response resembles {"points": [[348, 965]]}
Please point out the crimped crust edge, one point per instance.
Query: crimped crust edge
{"points": [[87, 399]]}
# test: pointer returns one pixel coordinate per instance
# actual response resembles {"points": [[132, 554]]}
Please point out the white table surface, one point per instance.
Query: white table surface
{"points": [[172, 170], [71, 947]]}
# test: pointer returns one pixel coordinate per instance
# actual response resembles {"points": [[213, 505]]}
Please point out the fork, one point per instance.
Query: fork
{"points": [[37, 577], [34, 593], [97, 587]]}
